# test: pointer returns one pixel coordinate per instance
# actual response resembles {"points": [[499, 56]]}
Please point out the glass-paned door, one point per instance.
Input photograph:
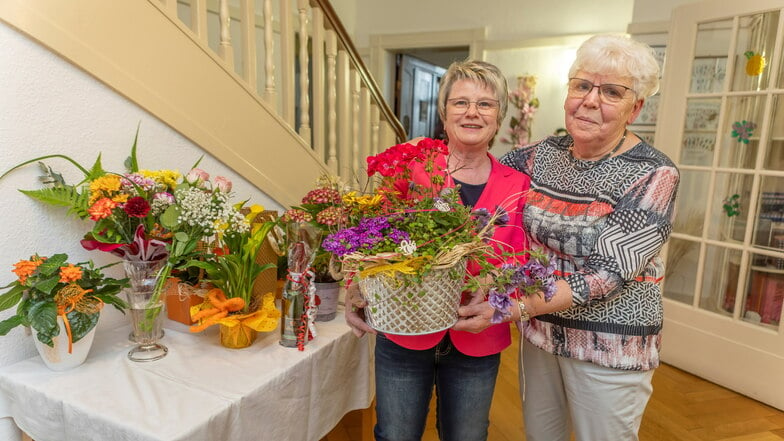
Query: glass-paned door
{"points": [[723, 124]]}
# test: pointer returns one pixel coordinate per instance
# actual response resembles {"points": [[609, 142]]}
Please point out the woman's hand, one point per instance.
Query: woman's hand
{"points": [[355, 312], [474, 317]]}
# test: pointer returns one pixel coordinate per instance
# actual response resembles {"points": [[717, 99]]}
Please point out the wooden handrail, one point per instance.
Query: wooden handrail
{"points": [[334, 22]]}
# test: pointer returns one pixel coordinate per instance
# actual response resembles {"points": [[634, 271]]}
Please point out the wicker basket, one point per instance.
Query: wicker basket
{"points": [[397, 305]]}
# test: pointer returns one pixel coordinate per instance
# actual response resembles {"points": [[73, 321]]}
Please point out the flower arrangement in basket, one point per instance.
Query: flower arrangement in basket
{"points": [[410, 242], [48, 288]]}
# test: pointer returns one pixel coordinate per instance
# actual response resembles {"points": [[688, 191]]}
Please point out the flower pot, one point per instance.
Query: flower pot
{"points": [[180, 297], [399, 305], [327, 294], [57, 358], [238, 336]]}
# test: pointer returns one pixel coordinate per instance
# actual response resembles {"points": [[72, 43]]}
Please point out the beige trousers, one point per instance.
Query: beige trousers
{"points": [[562, 395]]}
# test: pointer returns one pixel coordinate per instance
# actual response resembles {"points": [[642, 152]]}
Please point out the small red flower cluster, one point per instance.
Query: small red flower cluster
{"points": [[394, 161]]}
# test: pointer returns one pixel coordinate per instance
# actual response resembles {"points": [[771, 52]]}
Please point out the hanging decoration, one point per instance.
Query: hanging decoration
{"points": [[731, 205], [743, 130], [525, 103], [755, 63]]}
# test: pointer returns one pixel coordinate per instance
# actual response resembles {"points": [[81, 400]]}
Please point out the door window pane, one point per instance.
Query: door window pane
{"points": [[764, 295], [699, 137], [754, 50], [691, 203], [710, 56], [770, 220], [774, 159], [720, 280], [730, 208], [680, 277], [740, 130]]}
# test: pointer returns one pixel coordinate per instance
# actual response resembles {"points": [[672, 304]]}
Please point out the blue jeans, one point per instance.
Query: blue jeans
{"points": [[404, 384]]}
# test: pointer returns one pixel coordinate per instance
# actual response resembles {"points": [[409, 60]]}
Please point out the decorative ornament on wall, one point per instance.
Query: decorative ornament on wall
{"points": [[755, 63], [731, 205], [743, 130]]}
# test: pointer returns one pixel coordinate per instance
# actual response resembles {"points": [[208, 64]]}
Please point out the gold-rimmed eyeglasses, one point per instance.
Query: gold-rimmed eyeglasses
{"points": [[609, 93], [483, 107]]}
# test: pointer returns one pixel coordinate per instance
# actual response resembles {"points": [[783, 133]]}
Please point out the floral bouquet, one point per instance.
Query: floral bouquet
{"points": [[125, 207], [526, 103], [48, 288]]}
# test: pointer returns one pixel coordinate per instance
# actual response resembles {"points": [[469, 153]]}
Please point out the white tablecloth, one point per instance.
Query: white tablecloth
{"points": [[199, 391]]}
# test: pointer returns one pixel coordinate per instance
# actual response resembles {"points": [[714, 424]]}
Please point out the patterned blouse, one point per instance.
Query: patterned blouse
{"points": [[605, 222]]}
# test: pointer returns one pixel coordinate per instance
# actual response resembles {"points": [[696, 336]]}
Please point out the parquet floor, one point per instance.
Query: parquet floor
{"points": [[683, 408]]}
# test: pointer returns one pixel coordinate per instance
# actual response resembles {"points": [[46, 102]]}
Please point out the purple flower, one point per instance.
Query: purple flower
{"points": [[501, 215], [502, 305]]}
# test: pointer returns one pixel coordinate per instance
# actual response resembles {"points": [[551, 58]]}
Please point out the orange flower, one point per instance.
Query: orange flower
{"points": [[24, 268], [70, 273], [101, 209]]}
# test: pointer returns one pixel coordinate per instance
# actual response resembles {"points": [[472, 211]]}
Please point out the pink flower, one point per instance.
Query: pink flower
{"points": [[223, 184], [197, 177]]}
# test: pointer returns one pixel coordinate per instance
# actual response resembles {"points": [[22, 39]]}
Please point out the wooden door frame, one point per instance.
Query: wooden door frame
{"points": [[384, 46]]}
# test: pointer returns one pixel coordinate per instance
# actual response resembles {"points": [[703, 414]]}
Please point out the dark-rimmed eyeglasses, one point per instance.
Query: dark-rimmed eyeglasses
{"points": [[609, 93], [461, 105]]}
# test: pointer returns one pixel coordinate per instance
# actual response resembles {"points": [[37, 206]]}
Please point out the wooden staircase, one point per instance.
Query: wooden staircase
{"points": [[278, 112]]}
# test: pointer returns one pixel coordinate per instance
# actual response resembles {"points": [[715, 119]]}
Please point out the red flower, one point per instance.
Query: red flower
{"points": [[137, 207]]}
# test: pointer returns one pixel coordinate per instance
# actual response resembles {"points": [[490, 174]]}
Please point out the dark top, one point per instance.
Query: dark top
{"points": [[469, 193]]}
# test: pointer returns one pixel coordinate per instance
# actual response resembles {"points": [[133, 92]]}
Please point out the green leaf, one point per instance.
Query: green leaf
{"points": [[131, 163], [43, 317], [9, 324], [170, 217], [64, 196], [12, 297], [47, 285], [81, 324], [97, 170], [52, 264]]}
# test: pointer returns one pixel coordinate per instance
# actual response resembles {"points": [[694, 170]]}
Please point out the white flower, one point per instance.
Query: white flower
{"points": [[407, 247]]}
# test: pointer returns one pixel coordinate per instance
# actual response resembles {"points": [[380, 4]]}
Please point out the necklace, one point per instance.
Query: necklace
{"points": [[584, 164]]}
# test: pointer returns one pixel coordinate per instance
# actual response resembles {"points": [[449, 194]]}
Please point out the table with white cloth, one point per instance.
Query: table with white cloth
{"points": [[200, 391]]}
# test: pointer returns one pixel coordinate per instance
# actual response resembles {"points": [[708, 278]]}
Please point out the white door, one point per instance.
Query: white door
{"points": [[722, 122]]}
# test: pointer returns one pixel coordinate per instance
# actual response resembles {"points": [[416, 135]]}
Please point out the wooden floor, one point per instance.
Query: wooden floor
{"points": [[683, 408]]}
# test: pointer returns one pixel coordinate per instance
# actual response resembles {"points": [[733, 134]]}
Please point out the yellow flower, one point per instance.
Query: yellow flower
{"points": [[255, 209], [105, 186], [363, 201], [168, 178]]}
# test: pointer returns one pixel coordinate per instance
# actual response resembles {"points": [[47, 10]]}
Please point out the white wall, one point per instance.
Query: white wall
{"points": [[48, 106]]}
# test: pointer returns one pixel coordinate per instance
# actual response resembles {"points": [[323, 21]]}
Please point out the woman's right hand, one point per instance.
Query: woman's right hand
{"points": [[355, 312]]}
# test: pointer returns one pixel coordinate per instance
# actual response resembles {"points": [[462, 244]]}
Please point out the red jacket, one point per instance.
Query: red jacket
{"points": [[507, 188]]}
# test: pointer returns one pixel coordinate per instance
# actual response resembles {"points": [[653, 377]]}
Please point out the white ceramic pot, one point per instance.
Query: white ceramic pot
{"points": [[57, 358], [328, 294]]}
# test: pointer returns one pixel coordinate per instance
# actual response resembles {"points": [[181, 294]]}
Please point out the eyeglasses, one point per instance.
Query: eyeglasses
{"points": [[609, 93], [484, 107]]}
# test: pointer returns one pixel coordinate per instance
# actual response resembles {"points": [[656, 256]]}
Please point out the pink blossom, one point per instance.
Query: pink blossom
{"points": [[223, 184], [197, 177]]}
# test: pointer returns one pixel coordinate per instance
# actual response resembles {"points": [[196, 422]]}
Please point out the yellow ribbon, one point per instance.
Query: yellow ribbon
{"points": [[410, 266]]}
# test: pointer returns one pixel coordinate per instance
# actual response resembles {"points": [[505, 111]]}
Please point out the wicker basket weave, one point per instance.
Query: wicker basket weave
{"points": [[398, 307]]}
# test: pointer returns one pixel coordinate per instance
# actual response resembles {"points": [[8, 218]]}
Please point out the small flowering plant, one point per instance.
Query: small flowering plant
{"points": [[49, 287], [532, 277]]}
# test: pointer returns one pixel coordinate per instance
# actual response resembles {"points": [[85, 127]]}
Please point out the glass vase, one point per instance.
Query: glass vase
{"points": [[146, 313], [144, 276]]}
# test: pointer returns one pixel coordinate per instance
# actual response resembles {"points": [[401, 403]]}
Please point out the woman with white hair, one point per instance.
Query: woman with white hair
{"points": [[602, 203]]}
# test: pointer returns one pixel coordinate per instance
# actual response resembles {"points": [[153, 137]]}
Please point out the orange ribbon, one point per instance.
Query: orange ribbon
{"points": [[72, 297]]}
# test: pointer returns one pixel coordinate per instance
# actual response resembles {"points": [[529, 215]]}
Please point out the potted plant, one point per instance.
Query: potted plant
{"points": [[61, 302], [232, 268], [323, 207]]}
